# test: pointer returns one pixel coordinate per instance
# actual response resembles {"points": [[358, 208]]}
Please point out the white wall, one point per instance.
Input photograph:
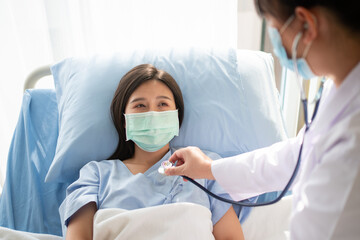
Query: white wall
{"points": [[23, 35], [249, 26], [249, 37]]}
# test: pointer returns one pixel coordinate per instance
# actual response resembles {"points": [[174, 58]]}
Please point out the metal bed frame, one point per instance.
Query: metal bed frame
{"points": [[36, 75]]}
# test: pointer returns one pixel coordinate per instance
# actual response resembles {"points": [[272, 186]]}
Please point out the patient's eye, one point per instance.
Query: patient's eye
{"points": [[140, 105], [163, 104]]}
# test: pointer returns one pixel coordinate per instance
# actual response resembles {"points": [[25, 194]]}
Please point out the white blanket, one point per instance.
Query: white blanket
{"points": [[175, 221], [270, 222], [172, 221], [10, 234]]}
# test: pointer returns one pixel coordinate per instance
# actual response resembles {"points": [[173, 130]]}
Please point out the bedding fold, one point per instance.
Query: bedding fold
{"points": [[27, 203], [171, 221]]}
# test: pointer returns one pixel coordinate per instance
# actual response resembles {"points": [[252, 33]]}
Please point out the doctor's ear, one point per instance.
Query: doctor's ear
{"points": [[310, 26]]}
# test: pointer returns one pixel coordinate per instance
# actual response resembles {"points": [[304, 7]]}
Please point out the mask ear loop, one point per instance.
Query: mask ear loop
{"points": [[298, 78], [293, 56], [286, 24], [307, 48]]}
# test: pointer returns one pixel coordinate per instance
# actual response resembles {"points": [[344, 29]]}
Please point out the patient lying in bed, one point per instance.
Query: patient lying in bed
{"points": [[147, 110]]}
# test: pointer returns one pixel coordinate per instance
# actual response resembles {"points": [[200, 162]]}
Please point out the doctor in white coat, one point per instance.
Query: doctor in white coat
{"points": [[317, 37]]}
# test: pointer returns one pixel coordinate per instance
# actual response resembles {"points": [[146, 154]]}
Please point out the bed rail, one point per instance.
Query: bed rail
{"points": [[36, 75]]}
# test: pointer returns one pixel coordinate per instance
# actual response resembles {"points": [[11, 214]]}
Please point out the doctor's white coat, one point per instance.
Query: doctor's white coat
{"points": [[326, 193]]}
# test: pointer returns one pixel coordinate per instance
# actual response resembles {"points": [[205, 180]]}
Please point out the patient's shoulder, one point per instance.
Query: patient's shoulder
{"points": [[100, 165], [212, 155]]}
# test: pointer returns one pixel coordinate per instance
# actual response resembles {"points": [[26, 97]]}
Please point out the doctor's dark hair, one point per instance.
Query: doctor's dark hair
{"points": [[128, 84], [346, 11]]}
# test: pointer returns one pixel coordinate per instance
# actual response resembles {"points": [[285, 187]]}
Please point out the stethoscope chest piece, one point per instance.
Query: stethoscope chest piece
{"points": [[164, 165]]}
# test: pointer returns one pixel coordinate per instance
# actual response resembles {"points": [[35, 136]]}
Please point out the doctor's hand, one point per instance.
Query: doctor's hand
{"points": [[191, 162]]}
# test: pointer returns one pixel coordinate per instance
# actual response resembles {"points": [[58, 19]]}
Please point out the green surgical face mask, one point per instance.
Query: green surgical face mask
{"points": [[152, 130]]}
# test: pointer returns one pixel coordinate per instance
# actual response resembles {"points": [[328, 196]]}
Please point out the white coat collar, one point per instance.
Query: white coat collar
{"points": [[339, 100]]}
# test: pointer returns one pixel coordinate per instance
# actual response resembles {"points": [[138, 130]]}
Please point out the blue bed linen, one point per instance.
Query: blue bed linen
{"points": [[110, 184], [230, 103], [27, 203]]}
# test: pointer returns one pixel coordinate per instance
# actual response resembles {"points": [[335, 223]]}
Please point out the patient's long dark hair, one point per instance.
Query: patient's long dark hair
{"points": [[128, 84]]}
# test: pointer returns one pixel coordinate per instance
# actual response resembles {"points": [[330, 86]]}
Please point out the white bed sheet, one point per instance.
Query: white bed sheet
{"points": [[10, 234], [269, 222], [175, 221]]}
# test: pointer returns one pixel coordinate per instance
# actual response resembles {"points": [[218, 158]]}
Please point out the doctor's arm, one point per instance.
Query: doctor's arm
{"points": [[245, 175]]}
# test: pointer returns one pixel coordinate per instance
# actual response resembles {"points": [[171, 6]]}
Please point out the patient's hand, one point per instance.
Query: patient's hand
{"points": [[191, 162]]}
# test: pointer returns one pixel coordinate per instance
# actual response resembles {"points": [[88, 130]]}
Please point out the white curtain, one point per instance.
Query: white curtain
{"points": [[39, 32], [249, 26]]}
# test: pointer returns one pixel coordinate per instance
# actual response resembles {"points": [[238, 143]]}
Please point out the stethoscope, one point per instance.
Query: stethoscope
{"points": [[307, 126], [304, 101], [297, 166]]}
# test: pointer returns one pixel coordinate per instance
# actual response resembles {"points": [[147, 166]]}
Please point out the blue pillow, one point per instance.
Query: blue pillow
{"points": [[230, 101]]}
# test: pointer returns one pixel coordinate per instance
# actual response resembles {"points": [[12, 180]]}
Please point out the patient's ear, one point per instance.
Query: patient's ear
{"points": [[310, 24]]}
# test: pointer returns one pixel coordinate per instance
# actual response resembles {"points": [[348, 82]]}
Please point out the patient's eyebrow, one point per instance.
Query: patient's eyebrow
{"points": [[165, 97], [137, 99], [143, 99]]}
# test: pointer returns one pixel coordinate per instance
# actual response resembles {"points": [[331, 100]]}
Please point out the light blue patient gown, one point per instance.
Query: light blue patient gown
{"points": [[110, 184]]}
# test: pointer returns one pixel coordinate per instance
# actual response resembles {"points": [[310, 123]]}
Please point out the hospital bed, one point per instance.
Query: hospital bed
{"points": [[231, 107]]}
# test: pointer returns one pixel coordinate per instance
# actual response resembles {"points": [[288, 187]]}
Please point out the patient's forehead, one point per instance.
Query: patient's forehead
{"points": [[151, 89]]}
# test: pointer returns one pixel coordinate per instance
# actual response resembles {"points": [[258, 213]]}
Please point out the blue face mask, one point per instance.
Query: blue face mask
{"points": [[151, 131], [298, 65]]}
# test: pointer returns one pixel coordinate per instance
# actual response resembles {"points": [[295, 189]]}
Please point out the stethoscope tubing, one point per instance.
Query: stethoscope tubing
{"points": [[296, 169], [244, 204]]}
